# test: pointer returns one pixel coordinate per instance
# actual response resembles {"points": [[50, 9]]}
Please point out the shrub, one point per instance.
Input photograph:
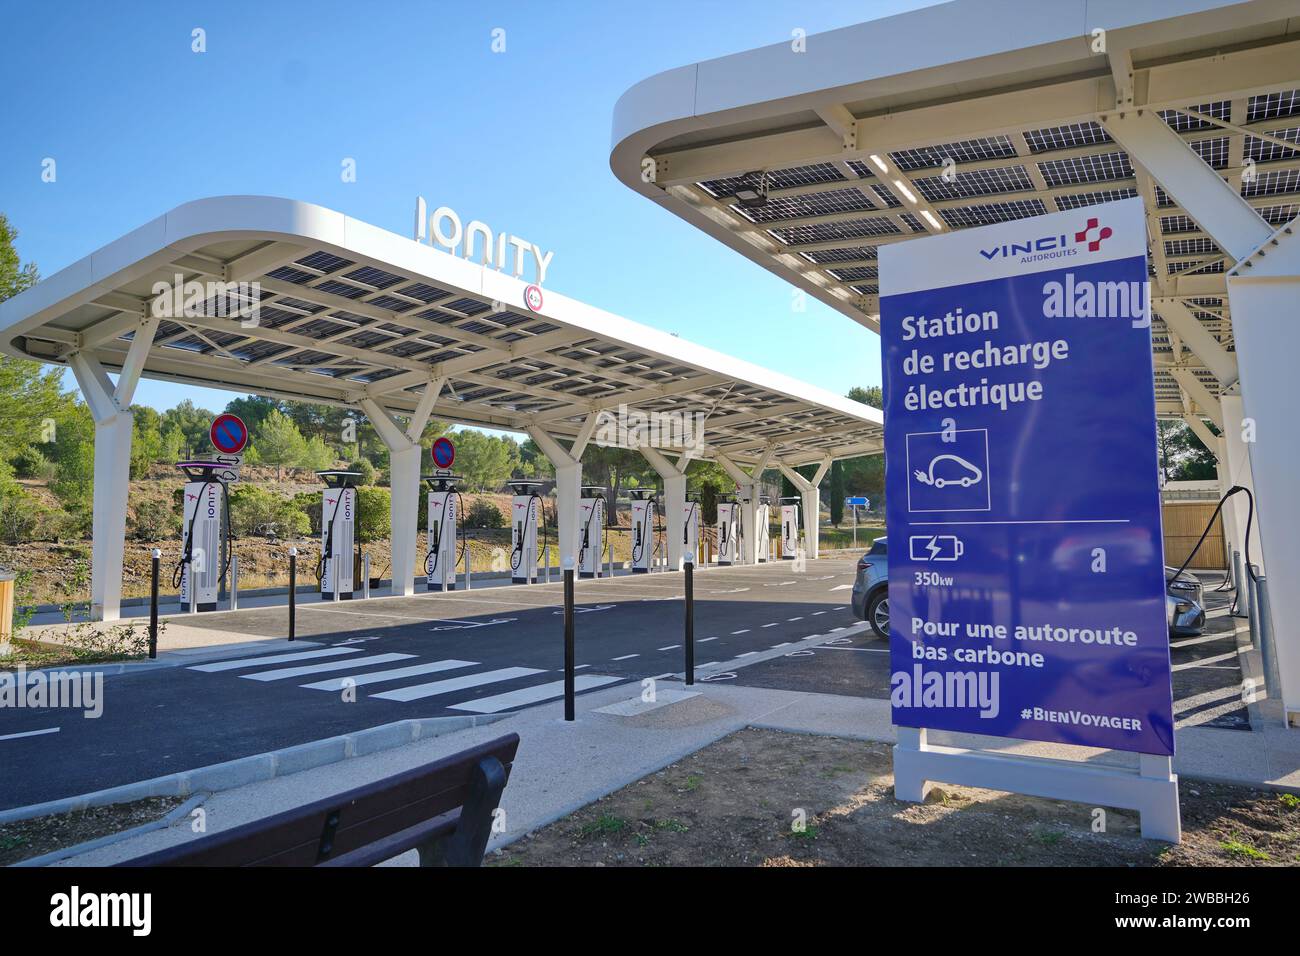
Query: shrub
{"points": [[367, 471], [484, 514], [155, 519], [256, 511], [30, 463], [374, 523], [308, 503]]}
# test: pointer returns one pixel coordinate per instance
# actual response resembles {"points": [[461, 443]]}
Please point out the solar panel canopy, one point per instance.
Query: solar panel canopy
{"points": [[339, 311], [945, 118]]}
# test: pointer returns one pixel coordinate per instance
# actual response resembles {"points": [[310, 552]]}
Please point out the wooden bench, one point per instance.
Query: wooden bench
{"points": [[444, 810]]}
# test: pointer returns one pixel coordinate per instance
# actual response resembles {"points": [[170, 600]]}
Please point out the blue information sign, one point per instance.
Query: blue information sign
{"points": [[1026, 559], [858, 502]]}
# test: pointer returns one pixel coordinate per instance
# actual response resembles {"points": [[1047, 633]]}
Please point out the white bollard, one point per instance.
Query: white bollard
{"points": [[546, 564], [234, 582], [365, 575], [469, 583]]}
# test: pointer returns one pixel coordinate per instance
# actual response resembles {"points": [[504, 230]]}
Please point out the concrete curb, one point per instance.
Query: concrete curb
{"points": [[162, 823], [259, 767]]}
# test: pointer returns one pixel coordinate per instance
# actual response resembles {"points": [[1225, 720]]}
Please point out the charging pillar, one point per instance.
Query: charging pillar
{"points": [[440, 559], [203, 533], [643, 529], [525, 519], [763, 529], [338, 534], [691, 528], [591, 530], [789, 528], [728, 530]]}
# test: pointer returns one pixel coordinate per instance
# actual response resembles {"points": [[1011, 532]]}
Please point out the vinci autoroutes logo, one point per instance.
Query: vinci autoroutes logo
{"points": [[1052, 247]]}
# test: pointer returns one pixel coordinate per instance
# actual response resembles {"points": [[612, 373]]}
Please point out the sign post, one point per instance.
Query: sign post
{"points": [[853, 503], [1026, 556]]}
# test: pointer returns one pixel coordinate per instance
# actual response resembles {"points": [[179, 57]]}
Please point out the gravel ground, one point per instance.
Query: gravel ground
{"points": [[764, 798]]}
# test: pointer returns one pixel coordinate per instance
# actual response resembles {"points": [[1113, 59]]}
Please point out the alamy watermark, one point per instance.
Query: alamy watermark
{"points": [[630, 428], [67, 690], [211, 299]]}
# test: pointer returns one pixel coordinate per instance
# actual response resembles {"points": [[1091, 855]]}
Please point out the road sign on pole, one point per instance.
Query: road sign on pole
{"points": [[443, 452], [228, 434]]}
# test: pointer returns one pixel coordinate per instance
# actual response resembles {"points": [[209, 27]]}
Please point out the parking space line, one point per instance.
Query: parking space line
{"points": [[670, 647], [378, 677], [1206, 661], [626, 657], [743, 630], [284, 673], [439, 687], [273, 659], [531, 695]]}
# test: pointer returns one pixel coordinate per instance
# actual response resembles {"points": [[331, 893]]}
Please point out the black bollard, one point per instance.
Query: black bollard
{"points": [[153, 605], [689, 642], [568, 640], [293, 591]]}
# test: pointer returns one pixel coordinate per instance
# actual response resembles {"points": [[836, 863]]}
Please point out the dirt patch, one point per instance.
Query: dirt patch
{"points": [[764, 798], [25, 839]]}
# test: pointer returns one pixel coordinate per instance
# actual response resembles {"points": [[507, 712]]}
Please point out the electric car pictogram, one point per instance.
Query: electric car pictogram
{"points": [[962, 473]]}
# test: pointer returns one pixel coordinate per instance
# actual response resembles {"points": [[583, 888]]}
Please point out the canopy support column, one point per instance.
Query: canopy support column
{"points": [[812, 502], [110, 407], [1262, 291], [404, 457], [674, 478], [568, 484]]}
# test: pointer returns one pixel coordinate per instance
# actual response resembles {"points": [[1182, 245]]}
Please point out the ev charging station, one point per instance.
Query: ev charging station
{"points": [[444, 524], [762, 528], [337, 567], [205, 533], [643, 529], [729, 530], [592, 533], [527, 512], [691, 528], [789, 529], [205, 526]]}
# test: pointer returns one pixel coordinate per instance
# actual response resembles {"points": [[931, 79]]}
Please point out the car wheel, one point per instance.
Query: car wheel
{"points": [[878, 613]]}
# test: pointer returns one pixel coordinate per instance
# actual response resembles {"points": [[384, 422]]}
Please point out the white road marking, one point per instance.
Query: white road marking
{"points": [[873, 650], [397, 673], [1202, 640], [793, 619], [1205, 661], [747, 654], [273, 659], [32, 733], [705, 640], [670, 647], [433, 689], [773, 624], [815, 613], [743, 630], [842, 587], [782, 644], [626, 657], [284, 673], [532, 695]]}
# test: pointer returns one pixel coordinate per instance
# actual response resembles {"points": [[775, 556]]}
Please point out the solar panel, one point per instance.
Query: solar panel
{"points": [[424, 292], [997, 212], [391, 303], [1277, 215], [777, 179], [334, 287], [375, 277], [1064, 137], [1094, 198], [290, 274], [977, 182], [840, 255], [324, 261], [1086, 169], [1182, 123], [911, 222], [1213, 151], [925, 157], [1273, 183], [1180, 223], [1190, 247], [855, 273], [830, 231], [1262, 151], [887, 196], [1272, 105], [812, 204]]}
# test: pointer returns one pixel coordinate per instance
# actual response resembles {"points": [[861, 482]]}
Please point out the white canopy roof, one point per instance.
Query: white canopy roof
{"points": [[976, 112], [350, 312]]}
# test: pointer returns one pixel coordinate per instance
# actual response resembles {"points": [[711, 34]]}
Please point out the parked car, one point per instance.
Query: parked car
{"points": [[1184, 610]]}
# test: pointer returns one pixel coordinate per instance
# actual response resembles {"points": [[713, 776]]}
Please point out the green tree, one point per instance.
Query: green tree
{"points": [[253, 409], [193, 423], [279, 442], [485, 461], [1183, 456], [15, 276], [836, 492], [146, 439]]}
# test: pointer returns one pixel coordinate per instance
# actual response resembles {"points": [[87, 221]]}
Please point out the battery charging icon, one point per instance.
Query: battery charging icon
{"points": [[935, 547]]}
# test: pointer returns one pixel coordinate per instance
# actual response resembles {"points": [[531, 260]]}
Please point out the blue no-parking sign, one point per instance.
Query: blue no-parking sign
{"points": [[1026, 585]]}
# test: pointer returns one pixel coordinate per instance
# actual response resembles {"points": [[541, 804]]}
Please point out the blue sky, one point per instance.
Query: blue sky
{"points": [[137, 123]]}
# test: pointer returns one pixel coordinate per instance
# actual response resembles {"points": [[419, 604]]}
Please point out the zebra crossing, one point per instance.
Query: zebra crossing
{"points": [[350, 668]]}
